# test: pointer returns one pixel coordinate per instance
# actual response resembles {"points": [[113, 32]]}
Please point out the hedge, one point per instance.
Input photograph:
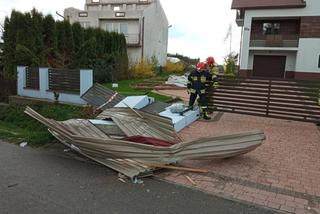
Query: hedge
{"points": [[32, 39]]}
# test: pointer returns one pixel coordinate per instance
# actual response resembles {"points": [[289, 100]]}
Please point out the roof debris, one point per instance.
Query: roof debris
{"points": [[101, 97], [179, 81], [147, 141]]}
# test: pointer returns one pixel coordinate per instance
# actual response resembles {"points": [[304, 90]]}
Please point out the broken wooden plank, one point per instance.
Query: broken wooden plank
{"points": [[190, 180]]}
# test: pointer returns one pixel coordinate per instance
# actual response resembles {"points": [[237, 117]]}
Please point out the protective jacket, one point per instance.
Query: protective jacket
{"points": [[199, 81]]}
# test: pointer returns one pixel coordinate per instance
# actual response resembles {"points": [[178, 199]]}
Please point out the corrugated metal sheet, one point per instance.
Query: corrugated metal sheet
{"points": [[129, 168], [98, 95], [155, 107], [135, 122], [133, 159]]}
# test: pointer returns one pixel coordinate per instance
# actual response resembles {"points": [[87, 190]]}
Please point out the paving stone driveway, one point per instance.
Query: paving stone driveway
{"points": [[284, 173]]}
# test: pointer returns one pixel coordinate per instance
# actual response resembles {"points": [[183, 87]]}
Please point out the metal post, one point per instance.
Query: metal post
{"points": [[268, 98]]}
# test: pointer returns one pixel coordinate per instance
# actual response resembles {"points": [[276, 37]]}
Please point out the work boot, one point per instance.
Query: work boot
{"points": [[205, 116]]}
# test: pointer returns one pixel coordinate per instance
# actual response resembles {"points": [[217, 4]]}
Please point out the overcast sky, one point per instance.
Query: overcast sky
{"points": [[199, 27]]}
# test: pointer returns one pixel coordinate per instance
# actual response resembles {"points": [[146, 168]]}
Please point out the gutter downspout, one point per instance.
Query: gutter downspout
{"points": [[142, 39], [240, 51]]}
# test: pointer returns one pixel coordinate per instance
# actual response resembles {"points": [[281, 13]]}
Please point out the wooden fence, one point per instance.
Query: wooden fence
{"points": [[63, 80], [276, 98], [32, 78]]}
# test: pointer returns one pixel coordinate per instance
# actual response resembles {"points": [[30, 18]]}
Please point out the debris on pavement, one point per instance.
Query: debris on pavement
{"points": [[23, 144], [177, 108], [179, 168], [122, 180], [179, 81], [12, 185], [181, 115], [190, 180], [147, 142], [136, 180], [136, 102]]}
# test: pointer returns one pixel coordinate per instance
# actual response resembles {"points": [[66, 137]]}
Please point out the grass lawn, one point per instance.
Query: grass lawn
{"points": [[126, 89], [17, 127]]}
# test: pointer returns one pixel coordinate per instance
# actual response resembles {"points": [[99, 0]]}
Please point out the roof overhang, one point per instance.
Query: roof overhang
{"points": [[267, 4]]}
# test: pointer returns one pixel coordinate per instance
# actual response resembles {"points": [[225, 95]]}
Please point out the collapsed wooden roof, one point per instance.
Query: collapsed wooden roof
{"points": [[134, 159]]}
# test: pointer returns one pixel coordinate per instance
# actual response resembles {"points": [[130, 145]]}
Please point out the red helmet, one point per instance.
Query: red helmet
{"points": [[201, 66], [210, 60]]}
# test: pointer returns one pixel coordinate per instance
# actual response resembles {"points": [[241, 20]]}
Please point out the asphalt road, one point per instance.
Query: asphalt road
{"points": [[49, 181]]}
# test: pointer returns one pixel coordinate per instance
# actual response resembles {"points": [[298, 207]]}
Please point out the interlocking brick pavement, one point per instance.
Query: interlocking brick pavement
{"points": [[283, 173]]}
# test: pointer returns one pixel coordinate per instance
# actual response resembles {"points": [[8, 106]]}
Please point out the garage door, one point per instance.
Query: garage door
{"points": [[269, 66]]}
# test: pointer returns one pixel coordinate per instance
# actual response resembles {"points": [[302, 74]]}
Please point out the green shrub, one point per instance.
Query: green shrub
{"points": [[230, 63], [142, 69], [174, 67], [31, 39]]}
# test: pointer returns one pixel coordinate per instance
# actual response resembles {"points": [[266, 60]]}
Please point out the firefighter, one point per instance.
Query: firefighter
{"points": [[198, 81], [211, 65], [210, 61]]}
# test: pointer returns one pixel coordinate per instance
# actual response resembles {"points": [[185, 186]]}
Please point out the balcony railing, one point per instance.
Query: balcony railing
{"points": [[274, 41], [133, 39]]}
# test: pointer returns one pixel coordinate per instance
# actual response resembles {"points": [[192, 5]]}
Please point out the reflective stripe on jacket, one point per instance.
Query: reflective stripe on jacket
{"points": [[198, 81]]}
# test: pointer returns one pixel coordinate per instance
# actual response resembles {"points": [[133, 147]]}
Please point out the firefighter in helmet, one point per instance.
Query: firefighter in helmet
{"points": [[198, 82], [210, 61], [211, 65]]}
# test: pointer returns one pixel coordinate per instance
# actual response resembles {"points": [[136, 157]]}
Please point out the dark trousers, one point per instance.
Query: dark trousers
{"points": [[202, 102]]}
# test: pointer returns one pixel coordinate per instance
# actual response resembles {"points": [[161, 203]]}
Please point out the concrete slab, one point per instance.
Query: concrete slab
{"points": [[180, 122], [137, 102]]}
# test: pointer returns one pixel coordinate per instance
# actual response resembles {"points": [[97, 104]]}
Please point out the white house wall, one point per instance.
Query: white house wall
{"points": [[308, 55], [134, 55], [308, 51], [244, 55], [155, 33]]}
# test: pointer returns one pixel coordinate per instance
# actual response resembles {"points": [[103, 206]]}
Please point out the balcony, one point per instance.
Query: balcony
{"points": [[133, 40], [283, 41]]}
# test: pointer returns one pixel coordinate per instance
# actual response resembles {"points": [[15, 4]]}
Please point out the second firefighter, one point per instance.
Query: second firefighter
{"points": [[198, 82]]}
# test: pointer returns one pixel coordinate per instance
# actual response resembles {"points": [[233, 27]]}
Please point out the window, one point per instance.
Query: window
{"points": [[129, 6], [117, 27], [85, 24], [120, 14], [95, 1], [109, 27], [271, 28], [124, 28], [83, 14], [319, 62], [116, 7]]}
